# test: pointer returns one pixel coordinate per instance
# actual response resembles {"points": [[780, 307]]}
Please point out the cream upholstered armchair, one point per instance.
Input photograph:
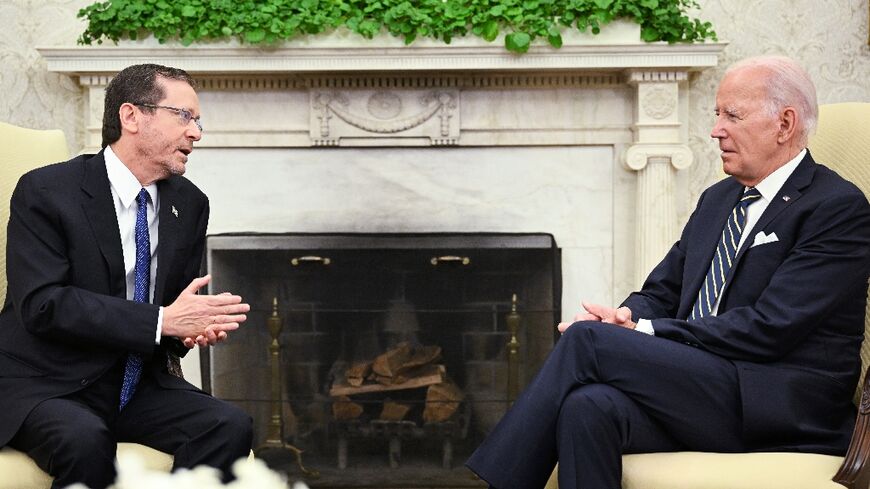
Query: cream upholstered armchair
{"points": [[841, 142], [20, 151]]}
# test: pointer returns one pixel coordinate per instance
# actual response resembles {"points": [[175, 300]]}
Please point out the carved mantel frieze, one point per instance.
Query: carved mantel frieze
{"points": [[407, 117]]}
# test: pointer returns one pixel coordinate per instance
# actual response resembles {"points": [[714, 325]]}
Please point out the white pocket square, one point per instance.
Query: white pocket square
{"points": [[762, 238]]}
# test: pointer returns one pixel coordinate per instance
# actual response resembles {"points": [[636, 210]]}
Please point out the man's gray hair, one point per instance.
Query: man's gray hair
{"points": [[787, 85]]}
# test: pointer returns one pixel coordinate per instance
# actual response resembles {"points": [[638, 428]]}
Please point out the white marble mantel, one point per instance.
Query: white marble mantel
{"points": [[617, 47], [611, 94]]}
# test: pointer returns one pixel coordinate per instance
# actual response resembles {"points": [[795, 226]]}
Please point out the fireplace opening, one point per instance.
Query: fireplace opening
{"points": [[384, 358]]}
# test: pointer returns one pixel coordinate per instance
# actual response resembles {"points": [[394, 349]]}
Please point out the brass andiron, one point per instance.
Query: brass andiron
{"points": [[275, 434], [513, 325]]}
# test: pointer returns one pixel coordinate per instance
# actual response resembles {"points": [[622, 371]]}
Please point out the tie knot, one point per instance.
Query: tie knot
{"points": [[750, 196], [142, 198]]}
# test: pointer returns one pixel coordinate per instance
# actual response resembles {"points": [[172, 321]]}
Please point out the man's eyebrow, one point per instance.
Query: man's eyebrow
{"points": [[730, 110]]}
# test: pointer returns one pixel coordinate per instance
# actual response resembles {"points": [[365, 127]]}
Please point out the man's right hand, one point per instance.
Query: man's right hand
{"points": [[203, 319]]}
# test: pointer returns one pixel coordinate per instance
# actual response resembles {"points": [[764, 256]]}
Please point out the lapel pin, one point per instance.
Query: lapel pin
{"points": [[174, 211], [784, 197]]}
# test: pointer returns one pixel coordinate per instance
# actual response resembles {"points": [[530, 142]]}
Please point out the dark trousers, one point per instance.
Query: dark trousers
{"points": [[74, 438], [605, 391]]}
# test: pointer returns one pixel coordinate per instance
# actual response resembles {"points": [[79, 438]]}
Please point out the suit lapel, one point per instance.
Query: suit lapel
{"points": [[100, 211], [787, 195], [167, 233]]}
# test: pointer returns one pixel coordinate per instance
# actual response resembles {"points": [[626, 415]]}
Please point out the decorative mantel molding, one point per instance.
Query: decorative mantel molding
{"points": [[209, 59], [610, 90], [615, 48]]}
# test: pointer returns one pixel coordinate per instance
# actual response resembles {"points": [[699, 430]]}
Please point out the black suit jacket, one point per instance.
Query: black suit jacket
{"points": [[66, 320], [791, 317]]}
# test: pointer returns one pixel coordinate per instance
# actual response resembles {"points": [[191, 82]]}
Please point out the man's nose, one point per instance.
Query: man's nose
{"points": [[193, 132], [717, 132]]}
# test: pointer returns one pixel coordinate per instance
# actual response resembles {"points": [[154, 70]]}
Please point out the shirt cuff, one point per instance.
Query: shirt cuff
{"points": [[645, 326], [159, 325]]}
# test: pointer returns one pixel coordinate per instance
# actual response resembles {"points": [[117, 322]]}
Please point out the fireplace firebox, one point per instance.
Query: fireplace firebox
{"points": [[385, 358]]}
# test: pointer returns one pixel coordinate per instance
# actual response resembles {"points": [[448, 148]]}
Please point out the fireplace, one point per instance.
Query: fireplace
{"points": [[397, 353]]}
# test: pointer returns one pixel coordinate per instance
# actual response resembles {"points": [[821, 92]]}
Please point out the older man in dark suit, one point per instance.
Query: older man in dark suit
{"points": [[103, 255], [745, 337]]}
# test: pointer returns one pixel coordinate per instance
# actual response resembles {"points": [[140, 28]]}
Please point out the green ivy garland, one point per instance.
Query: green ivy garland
{"points": [[270, 21]]}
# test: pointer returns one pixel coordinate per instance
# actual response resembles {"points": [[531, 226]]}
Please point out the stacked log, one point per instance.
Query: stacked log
{"points": [[394, 411], [401, 368], [442, 402], [356, 374], [343, 409]]}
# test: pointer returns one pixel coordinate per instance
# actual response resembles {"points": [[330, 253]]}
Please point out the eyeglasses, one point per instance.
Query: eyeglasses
{"points": [[185, 115]]}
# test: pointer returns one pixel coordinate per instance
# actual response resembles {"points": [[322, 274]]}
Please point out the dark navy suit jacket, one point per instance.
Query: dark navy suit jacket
{"points": [[791, 317], [66, 320]]}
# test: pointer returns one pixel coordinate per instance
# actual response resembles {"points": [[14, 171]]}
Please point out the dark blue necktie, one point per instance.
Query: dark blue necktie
{"points": [[716, 277], [142, 282]]}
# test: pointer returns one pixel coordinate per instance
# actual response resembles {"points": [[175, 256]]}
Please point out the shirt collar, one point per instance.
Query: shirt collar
{"points": [[770, 186], [123, 181]]}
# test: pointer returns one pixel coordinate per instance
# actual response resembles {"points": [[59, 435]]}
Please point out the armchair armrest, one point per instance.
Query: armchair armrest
{"points": [[855, 471]]}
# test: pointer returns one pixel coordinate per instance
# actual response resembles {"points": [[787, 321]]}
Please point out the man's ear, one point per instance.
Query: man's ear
{"points": [[130, 117], [788, 121]]}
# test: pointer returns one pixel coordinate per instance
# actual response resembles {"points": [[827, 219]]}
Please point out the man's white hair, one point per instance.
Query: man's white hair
{"points": [[787, 85]]}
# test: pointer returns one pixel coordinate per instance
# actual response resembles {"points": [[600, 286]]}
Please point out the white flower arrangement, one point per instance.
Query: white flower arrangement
{"points": [[250, 474]]}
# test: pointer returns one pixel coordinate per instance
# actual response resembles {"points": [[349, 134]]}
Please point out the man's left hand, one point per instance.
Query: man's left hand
{"points": [[620, 316], [595, 312], [210, 338]]}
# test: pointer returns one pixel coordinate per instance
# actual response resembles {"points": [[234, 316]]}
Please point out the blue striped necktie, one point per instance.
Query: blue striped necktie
{"points": [[723, 257], [142, 283]]}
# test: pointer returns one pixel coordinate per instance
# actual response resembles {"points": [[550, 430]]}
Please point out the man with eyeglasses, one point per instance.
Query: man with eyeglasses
{"points": [[103, 258]]}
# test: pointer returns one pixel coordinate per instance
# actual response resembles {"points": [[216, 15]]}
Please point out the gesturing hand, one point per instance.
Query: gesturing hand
{"points": [[203, 319]]}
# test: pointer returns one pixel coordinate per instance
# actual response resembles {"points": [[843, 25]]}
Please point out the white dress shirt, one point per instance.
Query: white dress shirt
{"points": [[768, 188], [125, 188]]}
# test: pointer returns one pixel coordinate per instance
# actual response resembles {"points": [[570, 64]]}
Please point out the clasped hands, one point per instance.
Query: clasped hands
{"points": [[594, 312], [199, 319]]}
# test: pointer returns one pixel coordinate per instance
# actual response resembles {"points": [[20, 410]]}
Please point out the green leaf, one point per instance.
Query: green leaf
{"points": [[517, 42], [650, 34], [369, 28], [650, 4], [188, 11], [554, 37], [490, 30], [255, 36]]}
